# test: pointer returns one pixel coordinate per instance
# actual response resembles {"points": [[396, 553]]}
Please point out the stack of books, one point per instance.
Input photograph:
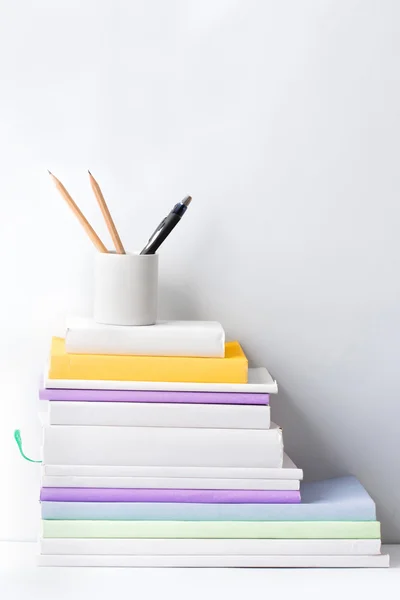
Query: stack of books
{"points": [[159, 450]]}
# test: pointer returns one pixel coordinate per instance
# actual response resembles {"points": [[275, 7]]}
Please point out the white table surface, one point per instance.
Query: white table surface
{"points": [[20, 578]]}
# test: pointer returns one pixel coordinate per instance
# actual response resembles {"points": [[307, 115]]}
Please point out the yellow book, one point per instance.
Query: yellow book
{"points": [[230, 369]]}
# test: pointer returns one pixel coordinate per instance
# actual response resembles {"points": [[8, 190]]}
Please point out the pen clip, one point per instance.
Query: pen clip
{"points": [[156, 231]]}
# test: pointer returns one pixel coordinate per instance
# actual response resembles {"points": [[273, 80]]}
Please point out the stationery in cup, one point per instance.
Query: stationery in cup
{"points": [[125, 283]]}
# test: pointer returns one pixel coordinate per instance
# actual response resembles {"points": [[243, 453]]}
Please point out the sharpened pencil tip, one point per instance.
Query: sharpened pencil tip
{"points": [[49, 172], [187, 200], [89, 173]]}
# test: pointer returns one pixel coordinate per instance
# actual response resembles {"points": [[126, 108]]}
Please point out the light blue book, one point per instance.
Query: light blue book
{"points": [[339, 499]]}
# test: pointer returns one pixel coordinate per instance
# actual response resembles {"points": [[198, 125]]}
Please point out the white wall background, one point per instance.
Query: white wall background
{"points": [[282, 120]]}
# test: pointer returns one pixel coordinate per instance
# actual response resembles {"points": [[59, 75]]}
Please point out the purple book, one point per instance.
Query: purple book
{"points": [[74, 395], [167, 495]]}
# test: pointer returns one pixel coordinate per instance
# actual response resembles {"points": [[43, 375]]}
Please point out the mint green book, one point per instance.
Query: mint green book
{"points": [[213, 529]]}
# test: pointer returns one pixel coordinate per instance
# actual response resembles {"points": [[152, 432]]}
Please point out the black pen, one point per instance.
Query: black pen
{"points": [[166, 226]]}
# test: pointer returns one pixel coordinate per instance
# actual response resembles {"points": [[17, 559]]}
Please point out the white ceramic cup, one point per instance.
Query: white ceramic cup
{"points": [[126, 289]]}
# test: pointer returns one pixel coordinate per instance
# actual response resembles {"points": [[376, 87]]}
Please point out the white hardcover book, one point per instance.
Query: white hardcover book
{"points": [[165, 338], [180, 483], [259, 382], [162, 446], [250, 561], [218, 547], [141, 414], [288, 471]]}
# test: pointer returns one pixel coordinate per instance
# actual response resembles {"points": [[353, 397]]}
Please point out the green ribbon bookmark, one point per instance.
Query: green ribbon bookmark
{"points": [[18, 439]]}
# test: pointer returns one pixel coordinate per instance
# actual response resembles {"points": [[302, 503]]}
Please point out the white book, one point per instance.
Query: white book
{"points": [[180, 483], [260, 561], [165, 338], [218, 547], [288, 471], [142, 414], [259, 382], [162, 446]]}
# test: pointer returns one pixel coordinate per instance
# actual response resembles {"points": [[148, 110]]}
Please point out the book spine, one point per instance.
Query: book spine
{"points": [[114, 471], [170, 511], [169, 341], [198, 496], [159, 415], [154, 396], [259, 382], [200, 547], [232, 368], [162, 446], [212, 529], [191, 483], [258, 561]]}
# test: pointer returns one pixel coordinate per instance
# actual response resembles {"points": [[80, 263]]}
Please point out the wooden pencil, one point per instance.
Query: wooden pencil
{"points": [[81, 218], [106, 214]]}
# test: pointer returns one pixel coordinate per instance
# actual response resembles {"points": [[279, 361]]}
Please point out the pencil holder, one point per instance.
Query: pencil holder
{"points": [[126, 287]]}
